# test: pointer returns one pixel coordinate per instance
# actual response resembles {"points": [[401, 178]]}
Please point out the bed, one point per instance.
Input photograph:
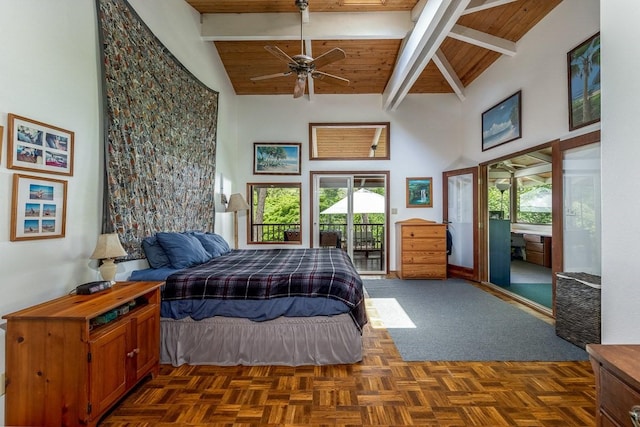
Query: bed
{"points": [[261, 307]]}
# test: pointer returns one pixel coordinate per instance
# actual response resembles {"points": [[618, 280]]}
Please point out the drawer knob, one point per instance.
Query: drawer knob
{"points": [[634, 413], [133, 352]]}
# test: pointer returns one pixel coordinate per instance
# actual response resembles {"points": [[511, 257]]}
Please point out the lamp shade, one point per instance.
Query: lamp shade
{"points": [[108, 246], [237, 203], [503, 186]]}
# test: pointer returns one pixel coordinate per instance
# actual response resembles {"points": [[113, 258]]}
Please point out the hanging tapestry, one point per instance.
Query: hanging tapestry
{"points": [[160, 134]]}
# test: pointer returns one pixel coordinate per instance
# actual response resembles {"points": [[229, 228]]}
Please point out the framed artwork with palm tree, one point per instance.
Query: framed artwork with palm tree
{"points": [[583, 64]]}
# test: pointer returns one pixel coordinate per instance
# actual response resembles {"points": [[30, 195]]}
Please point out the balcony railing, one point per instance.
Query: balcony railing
{"points": [[365, 236]]}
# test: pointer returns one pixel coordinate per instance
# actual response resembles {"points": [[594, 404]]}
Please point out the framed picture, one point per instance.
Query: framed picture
{"points": [[501, 123], [38, 208], [419, 192], [36, 146], [583, 65], [276, 158]]}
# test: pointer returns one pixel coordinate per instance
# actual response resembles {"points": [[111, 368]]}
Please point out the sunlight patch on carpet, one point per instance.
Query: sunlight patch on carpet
{"points": [[391, 313]]}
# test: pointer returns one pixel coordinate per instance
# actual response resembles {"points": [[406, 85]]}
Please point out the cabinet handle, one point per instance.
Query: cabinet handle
{"points": [[634, 413], [133, 352]]}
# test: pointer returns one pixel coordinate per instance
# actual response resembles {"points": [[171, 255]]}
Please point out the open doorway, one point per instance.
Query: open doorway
{"points": [[519, 202]]}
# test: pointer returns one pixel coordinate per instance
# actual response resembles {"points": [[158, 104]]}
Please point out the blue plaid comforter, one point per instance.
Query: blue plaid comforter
{"points": [[273, 273]]}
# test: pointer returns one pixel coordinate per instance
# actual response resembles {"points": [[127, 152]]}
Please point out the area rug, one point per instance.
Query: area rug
{"points": [[456, 321], [536, 292]]}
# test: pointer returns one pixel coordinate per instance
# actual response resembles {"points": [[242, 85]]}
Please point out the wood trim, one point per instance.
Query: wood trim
{"points": [[557, 240], [456, 271]]}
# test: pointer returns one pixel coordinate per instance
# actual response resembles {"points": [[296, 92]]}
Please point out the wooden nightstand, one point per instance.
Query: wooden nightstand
{"points": [[617, 377], [70, 359]]}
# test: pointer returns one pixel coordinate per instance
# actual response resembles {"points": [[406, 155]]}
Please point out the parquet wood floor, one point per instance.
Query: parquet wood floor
{"points": [[382, 390]]}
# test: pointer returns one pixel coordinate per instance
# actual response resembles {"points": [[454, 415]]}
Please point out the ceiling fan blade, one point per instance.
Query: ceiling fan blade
{"points": [[271, 76], [328, 57], [278, 53], [298, 89], [330, 78]]}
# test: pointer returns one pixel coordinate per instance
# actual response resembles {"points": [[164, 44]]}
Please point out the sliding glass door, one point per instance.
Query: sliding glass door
{"points": [[350, 213]]}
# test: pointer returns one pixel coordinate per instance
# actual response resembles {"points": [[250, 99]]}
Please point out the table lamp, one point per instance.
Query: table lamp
{"points": [[236, 203], [108, 248]]}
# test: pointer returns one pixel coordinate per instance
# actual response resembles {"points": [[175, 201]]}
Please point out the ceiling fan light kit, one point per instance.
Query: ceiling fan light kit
{"points": [[304, 65]]}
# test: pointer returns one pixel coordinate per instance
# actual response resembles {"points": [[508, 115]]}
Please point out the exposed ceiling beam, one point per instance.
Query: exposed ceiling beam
{"points": [[478, 5], [533, 170], [321, 26], [374, 142], [487, 41], [435, 22], [449, 74], [540, 156]]}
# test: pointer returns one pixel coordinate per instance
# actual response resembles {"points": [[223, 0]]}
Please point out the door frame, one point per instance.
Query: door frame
{"points": [[456, 271], [558, 147]]}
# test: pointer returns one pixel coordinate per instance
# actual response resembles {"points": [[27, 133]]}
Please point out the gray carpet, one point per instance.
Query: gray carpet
{"points": [[455, 321]]}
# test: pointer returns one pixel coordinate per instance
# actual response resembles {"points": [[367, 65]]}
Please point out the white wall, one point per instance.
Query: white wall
{"points": [[620, 154], [49, 72], [421, 133], [539, 69]]}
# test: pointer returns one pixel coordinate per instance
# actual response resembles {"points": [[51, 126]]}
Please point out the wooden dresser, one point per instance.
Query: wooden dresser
{"points": [[617, 375], [421, 249], [69, 360], [538, 249]]}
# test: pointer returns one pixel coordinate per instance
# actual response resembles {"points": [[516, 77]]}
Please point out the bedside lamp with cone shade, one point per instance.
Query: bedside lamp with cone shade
{"points": [[236, 203], [108, 248]]}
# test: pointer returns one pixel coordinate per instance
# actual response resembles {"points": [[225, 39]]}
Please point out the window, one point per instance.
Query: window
{"points": [[274, 212], [533, 202]]}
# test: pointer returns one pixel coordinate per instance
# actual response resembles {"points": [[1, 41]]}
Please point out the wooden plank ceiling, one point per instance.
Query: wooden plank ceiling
{"points": [[480, 31]]}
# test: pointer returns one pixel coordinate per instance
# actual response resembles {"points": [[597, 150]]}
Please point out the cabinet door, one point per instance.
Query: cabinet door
{"points": [[146, 330], [107, 369]]}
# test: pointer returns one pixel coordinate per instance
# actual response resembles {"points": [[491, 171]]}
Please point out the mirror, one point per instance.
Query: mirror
{"points": [[349, 141]]}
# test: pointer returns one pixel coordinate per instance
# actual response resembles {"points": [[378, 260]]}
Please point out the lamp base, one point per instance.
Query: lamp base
{"points": [[108, 270]]}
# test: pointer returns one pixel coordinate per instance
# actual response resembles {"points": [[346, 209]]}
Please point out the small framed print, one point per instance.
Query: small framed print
{"points": [[276, 158], [38, 208], [419, 192], [39, 147]]}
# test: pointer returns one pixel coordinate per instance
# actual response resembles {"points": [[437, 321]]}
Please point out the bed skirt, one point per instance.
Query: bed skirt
{"points": [[290, 341]]}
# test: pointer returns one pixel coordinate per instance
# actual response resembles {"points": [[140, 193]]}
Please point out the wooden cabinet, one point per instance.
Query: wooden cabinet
{"points": [[421, 249], [617, 376], [538, 249], [71, 359]]}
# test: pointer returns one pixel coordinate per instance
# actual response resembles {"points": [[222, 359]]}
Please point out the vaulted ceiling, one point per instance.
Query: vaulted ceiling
{"points": [[393, 47]]}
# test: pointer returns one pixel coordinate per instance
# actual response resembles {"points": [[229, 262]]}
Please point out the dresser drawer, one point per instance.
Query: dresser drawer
{"points": [[617, 398], [535, 238], [535, 258], [420, 257], [409, 233], [424, 271], [534, 247], [433, 245]]}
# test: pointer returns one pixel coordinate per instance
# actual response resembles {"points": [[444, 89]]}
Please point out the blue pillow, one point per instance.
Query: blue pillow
{"points": [[208, 243], [213, 243], [183, 250], [222, 244], [156, 256]]}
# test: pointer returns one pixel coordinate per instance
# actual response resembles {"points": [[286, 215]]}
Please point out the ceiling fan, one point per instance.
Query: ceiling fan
{"points": [[303, 65]]}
